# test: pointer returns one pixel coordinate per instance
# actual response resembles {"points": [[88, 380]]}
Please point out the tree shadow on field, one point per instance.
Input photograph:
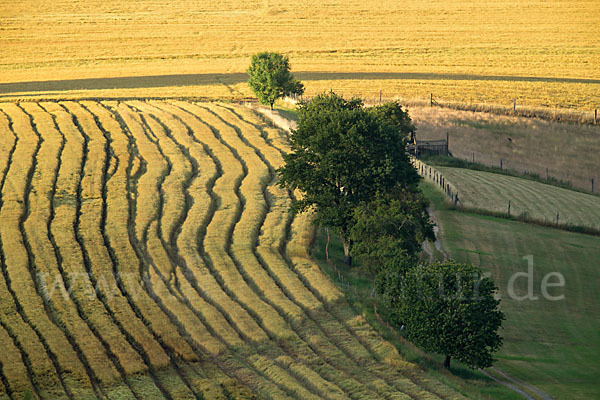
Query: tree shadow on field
{"points": [[154, 81]]}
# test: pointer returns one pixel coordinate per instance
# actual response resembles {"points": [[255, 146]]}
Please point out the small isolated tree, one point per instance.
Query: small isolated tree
{"points": [[448, 308], [270, 78], [343, 155], [389, 231]]}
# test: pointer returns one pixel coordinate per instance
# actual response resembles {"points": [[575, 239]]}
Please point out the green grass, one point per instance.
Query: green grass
{"points": [[448, 161], [357, 287], [528, 199], [287, 113], [552, 345]]}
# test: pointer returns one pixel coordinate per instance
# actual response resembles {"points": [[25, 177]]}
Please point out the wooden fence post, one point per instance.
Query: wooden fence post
{"points": [[500, 163], [515, 105], [430, 99], [592, 185], [595, 116], [447, 144], [509, 208], [380, 97]]}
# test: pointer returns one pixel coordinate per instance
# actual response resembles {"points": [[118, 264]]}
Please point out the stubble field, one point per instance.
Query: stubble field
{"points": [[542, 53]]}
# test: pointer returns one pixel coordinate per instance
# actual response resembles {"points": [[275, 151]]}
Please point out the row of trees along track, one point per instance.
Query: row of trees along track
{"points": [[355, 326], [185, 275], [243, 245]]}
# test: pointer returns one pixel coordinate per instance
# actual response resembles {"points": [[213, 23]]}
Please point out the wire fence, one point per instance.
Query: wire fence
{"points": [[511, 107]]}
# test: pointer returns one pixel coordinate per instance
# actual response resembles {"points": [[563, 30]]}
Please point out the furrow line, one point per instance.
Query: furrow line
{"points": [[243, 315], [127, 353], [4, 388], [222, 324], [44, 254], [265, 275], [148, 355], [6, 129], [316, 328], [124, 255], [256, 301], [175, 130], [16, 261], [167, 302], [65, 208]]}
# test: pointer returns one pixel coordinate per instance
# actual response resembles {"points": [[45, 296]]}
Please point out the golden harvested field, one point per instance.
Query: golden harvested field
{"points": [[542, 53], [147, 252]]}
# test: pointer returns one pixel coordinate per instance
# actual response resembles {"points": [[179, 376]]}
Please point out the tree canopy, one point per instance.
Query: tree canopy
{"points": [[447, 308], [342, 155], [270, 78], [389, 229], [393, 114]]}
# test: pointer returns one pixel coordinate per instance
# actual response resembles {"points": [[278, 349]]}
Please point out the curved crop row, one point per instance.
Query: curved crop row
{"points": [[244, 239], [48, 260], [154, 253], [148, 355], [18, 270], [16, 365], [305, 328], [101, 339], [126, 262], [198, 215], [267, 361]]}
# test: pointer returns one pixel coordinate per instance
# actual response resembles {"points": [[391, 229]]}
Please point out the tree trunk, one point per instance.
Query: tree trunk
{"points": [[271, 106], [346, 244], [447, 362]]}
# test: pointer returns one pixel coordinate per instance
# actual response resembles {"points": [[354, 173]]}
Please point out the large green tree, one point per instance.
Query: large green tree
{"points": [[344, 154], [388, 231], [270, 78], [447, 308]]}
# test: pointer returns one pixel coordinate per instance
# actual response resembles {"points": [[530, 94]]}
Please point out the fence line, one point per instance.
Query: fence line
{"points": [[433, 175]]}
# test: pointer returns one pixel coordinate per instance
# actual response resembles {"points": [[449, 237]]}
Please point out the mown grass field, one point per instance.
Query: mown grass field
{"points": [[543, 53], [550, 344], [536, 200], [188, 278]]}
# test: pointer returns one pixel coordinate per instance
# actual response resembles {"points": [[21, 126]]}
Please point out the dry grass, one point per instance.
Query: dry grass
{"points": [[66, 313], [570, 152], [543, 53]]}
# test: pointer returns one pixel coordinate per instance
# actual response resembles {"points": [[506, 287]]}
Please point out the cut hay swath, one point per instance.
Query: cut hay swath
{"points": [[188, 276], [19, 265], [48, 258]]}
